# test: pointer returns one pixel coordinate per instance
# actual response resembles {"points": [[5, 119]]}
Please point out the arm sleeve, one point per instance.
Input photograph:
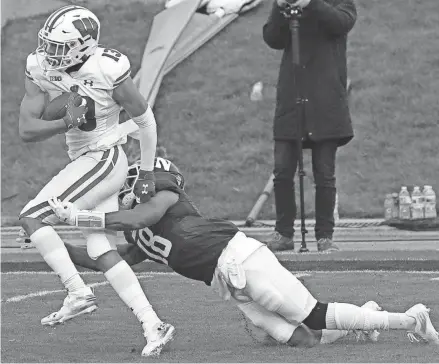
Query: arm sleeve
{"points": [[276, 30], [337, 18]]}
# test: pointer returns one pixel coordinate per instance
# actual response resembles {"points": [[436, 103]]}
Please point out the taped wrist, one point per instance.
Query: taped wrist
{"points": [[90, 219]]}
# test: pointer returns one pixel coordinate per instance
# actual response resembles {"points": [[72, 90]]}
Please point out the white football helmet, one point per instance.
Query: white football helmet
{"points": [[68, 37]]}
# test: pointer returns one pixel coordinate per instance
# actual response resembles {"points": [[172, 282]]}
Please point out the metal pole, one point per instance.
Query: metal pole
{"points": [[293, 14]]}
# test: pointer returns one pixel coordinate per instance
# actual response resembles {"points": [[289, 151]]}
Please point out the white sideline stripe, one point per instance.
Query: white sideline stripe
{"points": [[46, 293], [434, 279]]}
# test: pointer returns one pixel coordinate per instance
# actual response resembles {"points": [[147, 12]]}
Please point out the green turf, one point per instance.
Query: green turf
{"points": [[222, 141], [208, 329]]}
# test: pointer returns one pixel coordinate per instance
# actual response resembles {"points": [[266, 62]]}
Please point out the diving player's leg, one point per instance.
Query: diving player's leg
{"points": [[347, 316], [276, 289], [263, 325], [101, 247], [128, 252]]}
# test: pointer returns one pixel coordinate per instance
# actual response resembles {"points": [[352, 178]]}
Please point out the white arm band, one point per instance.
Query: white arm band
{"points": [[131, 127], [90, 219], [146, 120], [148, 139]]}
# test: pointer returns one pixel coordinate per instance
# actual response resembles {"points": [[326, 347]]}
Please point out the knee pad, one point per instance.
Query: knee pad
{"points": [[100, 243], [316, 320]]}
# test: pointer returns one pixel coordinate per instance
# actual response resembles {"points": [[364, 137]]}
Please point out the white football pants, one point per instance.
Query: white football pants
{"points": [[249, 272], [92, 181]]}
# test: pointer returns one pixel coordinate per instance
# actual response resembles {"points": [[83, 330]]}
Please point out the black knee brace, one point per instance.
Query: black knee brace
{"points": [[316, 320]]}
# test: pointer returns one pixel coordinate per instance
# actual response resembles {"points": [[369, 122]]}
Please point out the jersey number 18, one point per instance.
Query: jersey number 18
{"points": [[156, 247]]}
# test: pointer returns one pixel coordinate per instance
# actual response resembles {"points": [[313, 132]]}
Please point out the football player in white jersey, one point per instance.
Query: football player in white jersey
{"points": [[70, 60]]}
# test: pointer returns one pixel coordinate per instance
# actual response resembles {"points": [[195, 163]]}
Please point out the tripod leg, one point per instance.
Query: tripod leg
{"points": [[303, 247]]}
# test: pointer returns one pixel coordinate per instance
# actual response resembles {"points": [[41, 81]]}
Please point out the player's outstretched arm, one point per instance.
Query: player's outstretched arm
{"points": [[80, 257], [31, 127], [128, 252], [143, 215]]}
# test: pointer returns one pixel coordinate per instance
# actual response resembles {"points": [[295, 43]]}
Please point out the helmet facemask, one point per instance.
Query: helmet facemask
{"points": [[127, 198], [53, 55]]}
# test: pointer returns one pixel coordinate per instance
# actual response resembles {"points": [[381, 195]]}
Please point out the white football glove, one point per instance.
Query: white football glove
{"points": [[65, 211]]}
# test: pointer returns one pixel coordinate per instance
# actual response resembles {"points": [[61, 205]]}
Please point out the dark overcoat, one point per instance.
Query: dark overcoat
{"points": [[322, 75]]}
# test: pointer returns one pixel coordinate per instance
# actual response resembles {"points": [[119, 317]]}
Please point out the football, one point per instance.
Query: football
{"points": [[56, 109]]}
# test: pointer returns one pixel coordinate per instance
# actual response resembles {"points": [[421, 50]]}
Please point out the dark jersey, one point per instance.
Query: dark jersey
{"points": [[189, 243]]}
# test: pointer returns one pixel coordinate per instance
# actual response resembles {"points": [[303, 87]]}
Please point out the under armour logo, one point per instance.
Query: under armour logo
{"points": [[87, 82], [145, 191], [81, 118]]}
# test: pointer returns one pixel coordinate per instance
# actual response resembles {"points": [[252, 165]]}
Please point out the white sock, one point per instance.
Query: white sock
{"points": [[329, 336], [55, 254], [127, 286], [345, 316]]}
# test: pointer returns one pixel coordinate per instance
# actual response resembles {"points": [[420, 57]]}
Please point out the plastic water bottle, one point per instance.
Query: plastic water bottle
{"points": [[417, 206], [429, 202], [388, 207], [395, 207], [404, 204], [256, 94]]}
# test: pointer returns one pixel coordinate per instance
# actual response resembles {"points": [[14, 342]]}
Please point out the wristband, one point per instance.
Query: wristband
{"points": [[90, 219]]}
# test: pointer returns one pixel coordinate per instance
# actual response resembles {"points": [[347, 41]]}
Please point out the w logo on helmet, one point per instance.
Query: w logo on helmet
{"points": [[87, 26]]}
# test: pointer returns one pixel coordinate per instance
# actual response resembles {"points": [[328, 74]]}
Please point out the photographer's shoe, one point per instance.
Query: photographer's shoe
{"points": [[277, 242], [326, 245]]}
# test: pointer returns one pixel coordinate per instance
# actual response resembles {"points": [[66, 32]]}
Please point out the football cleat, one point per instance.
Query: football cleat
{"points": [[424, 328], [161, 334], [75, 304], [371, 335]]}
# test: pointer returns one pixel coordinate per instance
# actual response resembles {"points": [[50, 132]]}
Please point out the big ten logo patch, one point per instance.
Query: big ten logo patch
{"points": [[55, 78]]}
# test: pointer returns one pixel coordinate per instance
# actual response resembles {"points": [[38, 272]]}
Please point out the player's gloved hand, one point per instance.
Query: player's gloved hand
{"points": [[76, 110], [65, 211], [68, 213], [144, 188]]}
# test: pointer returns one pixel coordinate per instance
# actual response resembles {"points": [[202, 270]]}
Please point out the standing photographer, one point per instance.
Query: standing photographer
{"points": [[326, 125]]}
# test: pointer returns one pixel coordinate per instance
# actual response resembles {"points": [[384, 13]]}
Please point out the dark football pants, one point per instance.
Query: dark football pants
{"points": [[323, 166]]}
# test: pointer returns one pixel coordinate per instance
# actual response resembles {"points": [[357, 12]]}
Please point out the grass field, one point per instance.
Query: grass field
{"points": [[223, 141], [208, 329]]}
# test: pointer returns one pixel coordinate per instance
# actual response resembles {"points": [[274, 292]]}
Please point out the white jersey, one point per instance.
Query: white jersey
{"points": [[96, 80]]}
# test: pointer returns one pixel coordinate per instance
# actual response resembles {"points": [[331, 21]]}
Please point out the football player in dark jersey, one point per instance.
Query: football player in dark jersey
{"points": [[169, 229]]}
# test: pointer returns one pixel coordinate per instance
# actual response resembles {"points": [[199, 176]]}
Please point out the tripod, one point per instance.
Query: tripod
{"points": [[293, 14]]}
